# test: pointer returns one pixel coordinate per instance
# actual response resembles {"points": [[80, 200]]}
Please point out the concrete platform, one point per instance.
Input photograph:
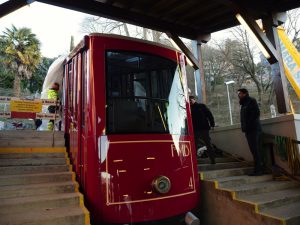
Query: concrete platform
{"points": [[240, 180], [12, 191], [231, 197], [260, 187], [10, 170], [38, 187], [50, 216], [33, 155], [219, 166], [208, 175], [274, 199], [290, 213], [28, 138], [36, 178], [17, 205]]}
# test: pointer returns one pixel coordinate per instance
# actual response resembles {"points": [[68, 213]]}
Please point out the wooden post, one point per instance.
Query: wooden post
{"points": [[277, 69], [199, 74]]}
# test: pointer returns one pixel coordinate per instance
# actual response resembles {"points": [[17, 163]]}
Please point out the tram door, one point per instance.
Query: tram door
{"points": [[83, 122], [74, 114]]}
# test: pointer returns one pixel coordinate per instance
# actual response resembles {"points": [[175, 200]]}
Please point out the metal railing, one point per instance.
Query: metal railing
{"points": [[286, 149], [27, 108]]}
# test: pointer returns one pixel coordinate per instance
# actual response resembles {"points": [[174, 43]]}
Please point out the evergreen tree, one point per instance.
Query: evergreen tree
{"points": [[72, 43], [20, 53]]}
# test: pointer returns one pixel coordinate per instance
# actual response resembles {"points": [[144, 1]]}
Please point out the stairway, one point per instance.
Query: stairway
{"points": [[31, 139], [231, 197], [38, 187]]}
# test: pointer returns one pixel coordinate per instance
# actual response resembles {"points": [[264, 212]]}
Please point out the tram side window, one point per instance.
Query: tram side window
{"points": [[83, 88], [140, 92], [70, 89], [74, 103]]}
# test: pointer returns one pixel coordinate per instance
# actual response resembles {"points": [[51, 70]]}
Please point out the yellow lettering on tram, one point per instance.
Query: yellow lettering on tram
{"points": [[191, 183], [173, 149], [184, 150]]}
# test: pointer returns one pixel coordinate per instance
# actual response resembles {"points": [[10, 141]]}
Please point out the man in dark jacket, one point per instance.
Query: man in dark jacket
{"points": [[203, 120], [250, 125]]}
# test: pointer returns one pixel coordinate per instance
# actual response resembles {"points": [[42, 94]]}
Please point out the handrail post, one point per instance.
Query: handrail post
{"points": [[53, 129]]}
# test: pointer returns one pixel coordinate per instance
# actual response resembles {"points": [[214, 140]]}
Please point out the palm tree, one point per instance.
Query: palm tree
{"points": [[22, 53]]}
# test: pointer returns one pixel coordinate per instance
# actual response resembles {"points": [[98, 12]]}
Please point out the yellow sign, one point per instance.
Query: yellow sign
{"points": [[291, 60], [26, 106], [48, 116]]}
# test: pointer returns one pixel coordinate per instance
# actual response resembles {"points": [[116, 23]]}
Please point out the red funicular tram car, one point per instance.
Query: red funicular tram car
{"points": [[127, 119]]}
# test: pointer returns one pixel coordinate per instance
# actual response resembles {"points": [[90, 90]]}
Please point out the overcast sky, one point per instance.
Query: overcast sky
{"points": [[52, 25]]}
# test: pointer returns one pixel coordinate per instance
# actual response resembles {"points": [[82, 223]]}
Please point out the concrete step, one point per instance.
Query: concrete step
{"points": [[37, 189], [219, 166], [218, 160], [241, 180], [32, 155], [290, 213], [29, 134], [35, 178], [36, 183], [61, 216], [212, 174], [30, 142], [21, 204], [261, 187], [28, 138], [10, 170], [32, 162], [274, 199]]}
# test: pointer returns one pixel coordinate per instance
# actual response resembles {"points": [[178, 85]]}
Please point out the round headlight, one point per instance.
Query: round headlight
{"points": [[161, 184]]}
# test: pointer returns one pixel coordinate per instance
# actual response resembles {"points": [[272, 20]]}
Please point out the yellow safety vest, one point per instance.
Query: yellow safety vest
{"points": [[52, 94]]}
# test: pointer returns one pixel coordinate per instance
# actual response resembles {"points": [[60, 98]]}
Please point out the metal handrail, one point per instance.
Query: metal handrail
{"points": [[270, 139]]}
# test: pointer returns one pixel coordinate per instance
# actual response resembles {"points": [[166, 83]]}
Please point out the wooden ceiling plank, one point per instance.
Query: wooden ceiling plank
{"points": [[218, 15], [171, 15], [181, 6], [197, 10], [111, 12], [12, 5], [164, 8]]}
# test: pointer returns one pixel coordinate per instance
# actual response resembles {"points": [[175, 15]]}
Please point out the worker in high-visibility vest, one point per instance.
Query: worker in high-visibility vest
{"points": [[52, 94]]}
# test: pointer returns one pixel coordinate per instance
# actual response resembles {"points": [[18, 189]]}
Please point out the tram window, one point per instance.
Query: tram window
{"points": [[74, 103], [144, 94], [154, 84], [70, 89], [83, 88]]}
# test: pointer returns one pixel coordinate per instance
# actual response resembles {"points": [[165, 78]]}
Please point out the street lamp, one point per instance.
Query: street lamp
{"points": [[229, 104]]}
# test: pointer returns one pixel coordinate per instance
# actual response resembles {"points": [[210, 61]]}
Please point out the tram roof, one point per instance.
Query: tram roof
{"points": [[116, 36], [186, 18]]}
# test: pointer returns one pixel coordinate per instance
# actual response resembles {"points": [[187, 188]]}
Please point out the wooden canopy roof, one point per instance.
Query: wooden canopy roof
{"points": [[186, 18]]}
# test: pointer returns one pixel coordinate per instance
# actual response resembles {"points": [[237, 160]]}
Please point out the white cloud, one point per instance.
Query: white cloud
{"points": [[52, 25]]}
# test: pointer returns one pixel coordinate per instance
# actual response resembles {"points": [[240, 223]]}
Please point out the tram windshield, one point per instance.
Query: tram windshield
{"points": [[144, 94]]}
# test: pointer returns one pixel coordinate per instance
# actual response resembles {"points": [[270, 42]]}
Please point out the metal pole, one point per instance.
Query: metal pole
{"points": [[229, 105]]}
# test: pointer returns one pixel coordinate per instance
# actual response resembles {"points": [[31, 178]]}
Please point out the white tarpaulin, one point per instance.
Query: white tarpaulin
{"points": [[54, 74]]}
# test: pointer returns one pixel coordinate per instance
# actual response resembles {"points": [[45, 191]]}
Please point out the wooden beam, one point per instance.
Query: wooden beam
{"points": [[12, 5], [261, 36], [184, 49], [277, 69], [239, 8]]}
